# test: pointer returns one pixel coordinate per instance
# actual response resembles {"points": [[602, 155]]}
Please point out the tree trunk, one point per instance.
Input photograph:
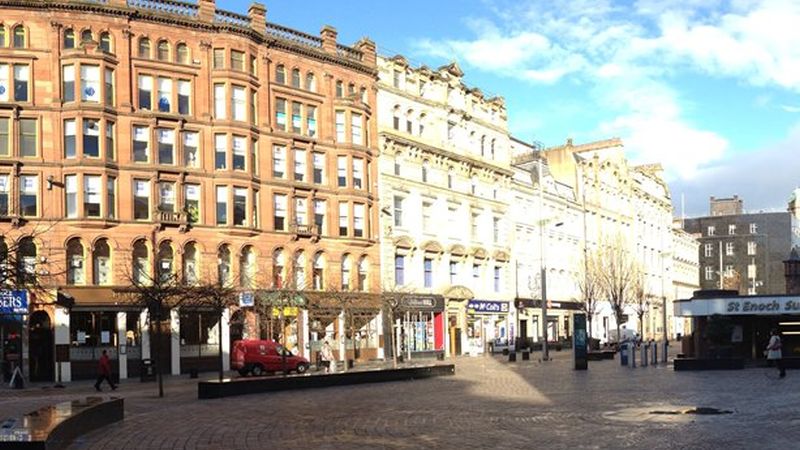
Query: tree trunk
{"points": [[394, 341], [157, 349]]}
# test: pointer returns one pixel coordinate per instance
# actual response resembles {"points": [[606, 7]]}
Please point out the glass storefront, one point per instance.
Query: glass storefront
{"points": [[10, 344], [199, 333], [419, 327]]}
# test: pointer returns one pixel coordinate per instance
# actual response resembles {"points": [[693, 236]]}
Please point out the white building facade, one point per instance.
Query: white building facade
{"points": [[444, 178]]}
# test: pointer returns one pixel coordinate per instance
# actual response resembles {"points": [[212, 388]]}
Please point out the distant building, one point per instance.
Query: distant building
{"points": [[739, 251]]}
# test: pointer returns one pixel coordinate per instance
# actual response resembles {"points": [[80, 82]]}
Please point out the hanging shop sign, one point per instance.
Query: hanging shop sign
{"points": [[14, 302], [487, 307], [423, 303]]}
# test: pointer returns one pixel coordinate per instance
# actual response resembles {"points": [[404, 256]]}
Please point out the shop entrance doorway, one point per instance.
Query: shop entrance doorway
{"points": [[42, 365]]}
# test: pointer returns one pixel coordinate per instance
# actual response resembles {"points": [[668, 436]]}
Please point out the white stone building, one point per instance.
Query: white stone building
{"points": [[685, 272], [444, 178]]}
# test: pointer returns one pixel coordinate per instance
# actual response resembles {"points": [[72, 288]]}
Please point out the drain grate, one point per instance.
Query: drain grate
{"points": [[701, 411]]}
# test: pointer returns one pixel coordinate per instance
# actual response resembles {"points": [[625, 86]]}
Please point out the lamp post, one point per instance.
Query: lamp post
{"points": [[542, 260]]}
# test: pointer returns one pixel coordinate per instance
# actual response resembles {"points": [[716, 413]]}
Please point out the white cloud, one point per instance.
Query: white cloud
{"points": [[790, 108]]}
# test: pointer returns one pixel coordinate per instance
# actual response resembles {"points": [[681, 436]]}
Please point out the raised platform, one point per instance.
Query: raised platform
{"points": [[245, 386], [708, 364], [56, 426]]}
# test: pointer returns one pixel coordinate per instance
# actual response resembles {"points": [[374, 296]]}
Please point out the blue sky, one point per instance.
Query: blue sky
{"points": [[708, 88]]}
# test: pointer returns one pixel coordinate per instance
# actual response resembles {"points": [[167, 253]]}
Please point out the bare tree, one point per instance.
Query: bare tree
{"points": [[345, 300], [270, 303], [589, 286], [641, 298], [616, 275], [28, 260], [219, 297]]}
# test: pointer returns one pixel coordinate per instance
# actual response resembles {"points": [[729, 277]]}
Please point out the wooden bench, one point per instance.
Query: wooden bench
{"points": [[56, 426]]}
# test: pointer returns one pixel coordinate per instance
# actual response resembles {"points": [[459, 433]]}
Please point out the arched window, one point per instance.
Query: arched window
{"points": [[101, 256], [421, 124], [425, 171], [165, 260], [346, 273], [2, 35], [299, 270], [26, 260], [296, 78], [75, 262], [318, 275], [280, 74], [483, 145], [19, 36], [163, 50], [144, 48], [311, 82], [351, 89], [141, 263], [86, 36], [278, 268], [182, 53], [363, 264], [339, 89], [105, 42], [69, 38], [364, 95], [190, 264], [224, 265], [247, 268], [396, 115], [410, 121], [491, 150]]}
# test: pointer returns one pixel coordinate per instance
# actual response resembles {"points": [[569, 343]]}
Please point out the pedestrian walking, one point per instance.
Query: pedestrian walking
{"points": [[104, 372], [326, 355], [774, 353]]}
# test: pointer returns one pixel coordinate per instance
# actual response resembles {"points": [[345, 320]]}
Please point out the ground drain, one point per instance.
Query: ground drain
{"points": [[702, 411]]}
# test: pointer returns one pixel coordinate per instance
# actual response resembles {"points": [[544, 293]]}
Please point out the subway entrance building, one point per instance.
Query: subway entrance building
{"points": [[726, 324]]}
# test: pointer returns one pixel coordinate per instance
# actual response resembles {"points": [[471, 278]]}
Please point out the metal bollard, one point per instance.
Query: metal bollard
{"points": [[645, 347], [633, 355], [655, 353], [665, 355]]}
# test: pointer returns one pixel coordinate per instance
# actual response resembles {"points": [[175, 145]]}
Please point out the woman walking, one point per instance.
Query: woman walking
{"points": [[774, 353]]}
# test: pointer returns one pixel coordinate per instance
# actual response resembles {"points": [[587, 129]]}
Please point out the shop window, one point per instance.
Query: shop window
{"points": [[75, 262], [102, 263], [92, 329], [199, 335]]}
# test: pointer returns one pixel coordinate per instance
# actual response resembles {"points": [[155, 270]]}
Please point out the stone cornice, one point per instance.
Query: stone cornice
{"points": [[447, 154], [133, 15]]}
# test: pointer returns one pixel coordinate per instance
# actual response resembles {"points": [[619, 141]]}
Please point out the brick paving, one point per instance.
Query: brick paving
{"points": [[489, 403]]}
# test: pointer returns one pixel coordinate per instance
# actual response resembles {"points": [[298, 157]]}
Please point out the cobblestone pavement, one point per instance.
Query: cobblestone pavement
{"points": [[488, 403]]}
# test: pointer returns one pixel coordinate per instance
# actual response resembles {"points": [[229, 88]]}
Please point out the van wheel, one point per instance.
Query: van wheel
{"points": [[243, 372], [301, 368], [257, 370]]}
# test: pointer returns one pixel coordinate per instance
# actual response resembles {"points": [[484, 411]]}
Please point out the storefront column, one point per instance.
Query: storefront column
{"points": [[122, 342], [379, 321], [342, 337], [302, 340], [226, 339], [144, 332], [175, 347], [62, 338]]}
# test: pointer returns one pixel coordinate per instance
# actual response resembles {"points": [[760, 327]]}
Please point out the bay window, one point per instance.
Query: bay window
{"points": [[300, 211], [184, 96], [299, 165], [192, 202], [4, 195], [68, 83], [109, 140], [318, 161], [220, 151], [239, 103], [71, 194], [5, 141], [297, 119], [278, 161], [190, 152], [341, 171], [109, 87], [219, 102], [164, 94], [280, 114], [166, 146], [344, 218], [239, 153], [355, 128], [319, 216], [90, 83], [358, 220], [240, 206], [92, 194], [340, 126], [279, 208], [91, 138], [70, 139], [141, 199], [111, 197], [145, 92], [311, 120], [358, 173], [28, 195], [166, 196], [141, 144]]}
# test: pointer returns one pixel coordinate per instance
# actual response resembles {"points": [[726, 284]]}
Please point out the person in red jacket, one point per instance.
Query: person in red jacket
{"points": [[104, 372]]}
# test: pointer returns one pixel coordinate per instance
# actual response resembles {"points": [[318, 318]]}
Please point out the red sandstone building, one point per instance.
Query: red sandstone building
{"points": [[151, 137]]}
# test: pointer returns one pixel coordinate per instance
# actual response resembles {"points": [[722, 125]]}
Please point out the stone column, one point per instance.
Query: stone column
{"points": [[122, 343], [303, 341], [342, 337], [175, 344], [62, 338], [226, 339], [379, 325], [144, 332]]}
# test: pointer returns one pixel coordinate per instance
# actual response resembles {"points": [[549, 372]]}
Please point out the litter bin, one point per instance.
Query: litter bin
{"points": [[623, 354], [512, 357], [526, 355], [147, 371]]}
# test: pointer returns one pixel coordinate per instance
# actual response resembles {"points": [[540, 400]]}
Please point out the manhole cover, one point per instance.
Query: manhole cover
{"points": [[702, 411]]}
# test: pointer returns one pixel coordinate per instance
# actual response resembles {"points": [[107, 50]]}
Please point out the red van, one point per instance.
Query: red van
{"points": [[261, 356]]}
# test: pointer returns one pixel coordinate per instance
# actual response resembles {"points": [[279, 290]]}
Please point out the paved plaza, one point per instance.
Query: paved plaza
{"points": [[488, 403]]}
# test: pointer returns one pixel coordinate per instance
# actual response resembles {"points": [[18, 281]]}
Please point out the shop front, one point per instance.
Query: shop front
{"points": [[418, 328], [351, 323], [725, 324], [487, 324], [13, 309], [559, 321]]}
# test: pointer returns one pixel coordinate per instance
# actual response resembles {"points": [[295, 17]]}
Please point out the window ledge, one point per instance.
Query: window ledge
{"points": [[91, 223]]}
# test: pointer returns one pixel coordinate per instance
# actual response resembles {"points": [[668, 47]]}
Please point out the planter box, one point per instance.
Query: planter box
{"points": [[708, 364]]}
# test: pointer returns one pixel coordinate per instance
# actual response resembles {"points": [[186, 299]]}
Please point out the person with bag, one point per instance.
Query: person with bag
{"points": [[774, 353], [104, 372], [326, 355]]}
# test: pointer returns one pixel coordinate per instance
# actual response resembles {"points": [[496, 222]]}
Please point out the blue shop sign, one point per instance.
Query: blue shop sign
{"points": [[246, 299], [14, 302], [487, 307]]}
